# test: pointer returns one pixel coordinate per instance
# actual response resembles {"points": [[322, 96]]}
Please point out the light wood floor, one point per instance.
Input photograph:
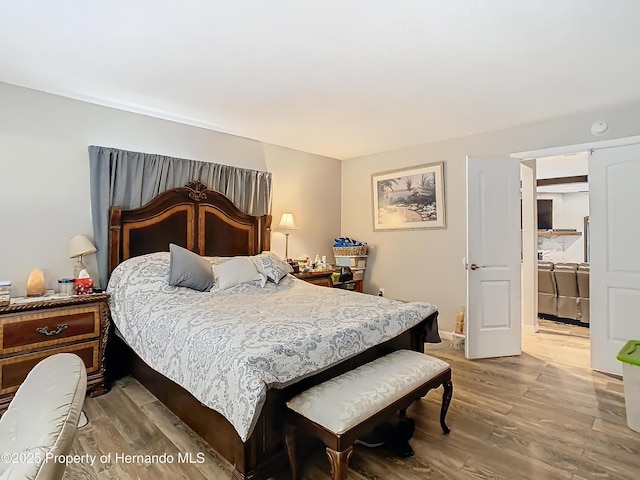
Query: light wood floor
{"points": [[543, 415]]}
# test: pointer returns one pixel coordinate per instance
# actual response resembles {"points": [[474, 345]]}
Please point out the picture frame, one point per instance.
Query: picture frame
{"points": [[409, 198]]}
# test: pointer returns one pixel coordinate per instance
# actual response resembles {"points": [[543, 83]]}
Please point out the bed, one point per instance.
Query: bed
{"points": [[207, 223]]}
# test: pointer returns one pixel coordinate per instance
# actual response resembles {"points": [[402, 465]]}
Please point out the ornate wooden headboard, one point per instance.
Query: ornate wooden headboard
{"points": [[204, 221]]}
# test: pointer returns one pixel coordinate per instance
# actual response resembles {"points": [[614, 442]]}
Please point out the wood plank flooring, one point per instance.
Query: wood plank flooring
{"points": [[543, 415]]}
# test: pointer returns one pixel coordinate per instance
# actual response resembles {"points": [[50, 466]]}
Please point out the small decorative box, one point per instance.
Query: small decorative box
{"points": [[5, 293], [83, 286], [66, 287]]}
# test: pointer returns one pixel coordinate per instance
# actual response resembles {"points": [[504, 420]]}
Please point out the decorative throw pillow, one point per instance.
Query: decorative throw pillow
{"points": [[272, 266], [236, 271], [188, 269]]}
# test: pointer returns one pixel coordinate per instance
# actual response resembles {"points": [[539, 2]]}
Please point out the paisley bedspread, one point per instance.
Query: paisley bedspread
{"points": [[229, 347]]}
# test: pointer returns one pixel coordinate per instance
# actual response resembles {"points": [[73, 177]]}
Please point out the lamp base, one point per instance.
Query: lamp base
{"points": [[286, 248], [77, 268]]}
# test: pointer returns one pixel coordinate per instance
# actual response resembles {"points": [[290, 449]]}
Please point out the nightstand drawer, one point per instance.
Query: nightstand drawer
{"points": [[39, 329], [322, 281], [321, 277], [14, 370]]}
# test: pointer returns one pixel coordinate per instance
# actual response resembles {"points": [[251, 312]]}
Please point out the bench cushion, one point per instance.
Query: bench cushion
{"points": [[343, 402]]}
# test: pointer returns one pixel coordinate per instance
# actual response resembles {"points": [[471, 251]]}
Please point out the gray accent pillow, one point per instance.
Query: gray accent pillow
{"points": [[272, 266], [188, 269]]}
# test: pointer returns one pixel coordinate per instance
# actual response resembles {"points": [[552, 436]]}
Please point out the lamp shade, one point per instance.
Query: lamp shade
{"points": [[287, 222], [80, 245]]}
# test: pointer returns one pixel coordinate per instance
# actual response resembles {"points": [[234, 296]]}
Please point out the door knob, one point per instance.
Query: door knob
{"points": [[475, 267]]}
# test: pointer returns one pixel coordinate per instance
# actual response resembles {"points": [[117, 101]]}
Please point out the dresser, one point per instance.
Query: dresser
{"points": [[30, 332]]}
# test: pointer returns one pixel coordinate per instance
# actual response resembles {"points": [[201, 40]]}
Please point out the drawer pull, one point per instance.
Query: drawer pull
{"points": [[45, 330]]}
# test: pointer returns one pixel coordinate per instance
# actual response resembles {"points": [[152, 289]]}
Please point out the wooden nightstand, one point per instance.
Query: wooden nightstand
{"points": [[322, 278], [30, 332], [353, 285]]}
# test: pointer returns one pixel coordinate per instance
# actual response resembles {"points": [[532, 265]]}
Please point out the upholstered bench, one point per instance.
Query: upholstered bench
{"points": [[351, 405]]}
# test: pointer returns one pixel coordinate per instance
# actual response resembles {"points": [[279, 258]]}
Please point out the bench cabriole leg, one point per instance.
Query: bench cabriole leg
{"points": [[290, 446], [339, 462], [446, 400]]}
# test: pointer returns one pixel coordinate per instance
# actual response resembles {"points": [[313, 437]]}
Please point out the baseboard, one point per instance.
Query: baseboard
{"points": [[455, 339], [445, 335], [530, 329]]}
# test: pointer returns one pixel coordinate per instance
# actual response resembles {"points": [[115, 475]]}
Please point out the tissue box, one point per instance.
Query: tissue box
{"points": [[83, 286]]}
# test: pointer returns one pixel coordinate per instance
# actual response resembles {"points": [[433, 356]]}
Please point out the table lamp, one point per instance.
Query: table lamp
{"points": [[287, 223], [78, 246]]}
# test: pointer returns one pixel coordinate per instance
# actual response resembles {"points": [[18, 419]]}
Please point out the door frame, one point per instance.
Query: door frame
{"points": [[529, 293], [577, 148], [529, 281]]}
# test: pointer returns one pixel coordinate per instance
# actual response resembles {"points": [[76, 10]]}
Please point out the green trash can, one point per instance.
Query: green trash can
{"points": [[630, 358]]}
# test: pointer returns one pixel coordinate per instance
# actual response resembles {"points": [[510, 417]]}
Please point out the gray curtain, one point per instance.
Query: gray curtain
{"points": [[131, 179]]}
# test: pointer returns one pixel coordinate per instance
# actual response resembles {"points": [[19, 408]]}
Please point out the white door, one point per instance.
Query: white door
{"points": [[493, 258], [614, 201]]}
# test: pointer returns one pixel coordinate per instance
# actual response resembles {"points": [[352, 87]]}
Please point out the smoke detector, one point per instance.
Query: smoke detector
{"points": [[600, 128]]}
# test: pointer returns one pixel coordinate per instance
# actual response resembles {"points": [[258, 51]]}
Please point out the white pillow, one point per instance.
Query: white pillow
{"points": [[269, 264], [236, 271]]}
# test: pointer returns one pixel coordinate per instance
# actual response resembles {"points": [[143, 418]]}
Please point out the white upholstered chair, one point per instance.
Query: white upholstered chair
{"points": [[42, 419]]}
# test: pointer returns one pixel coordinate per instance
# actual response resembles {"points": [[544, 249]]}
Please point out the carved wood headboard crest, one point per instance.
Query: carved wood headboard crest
{"points": [[197, 188]]}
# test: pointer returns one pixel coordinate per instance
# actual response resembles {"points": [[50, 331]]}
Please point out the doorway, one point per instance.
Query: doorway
{"points": [[615, 268], [557, 202], [563, 204], [615, 265]]}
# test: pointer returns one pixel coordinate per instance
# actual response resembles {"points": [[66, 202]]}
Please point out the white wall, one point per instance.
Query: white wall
{"points": [[44, 188], [44, 175], [427, 264], [569, 210], [309, 187]]}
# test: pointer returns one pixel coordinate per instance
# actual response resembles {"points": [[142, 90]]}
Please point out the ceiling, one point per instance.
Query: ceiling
{"points": [[341, 78]]}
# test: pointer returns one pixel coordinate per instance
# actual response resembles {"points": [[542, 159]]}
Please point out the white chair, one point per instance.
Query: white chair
{"points": [[42, 419]]}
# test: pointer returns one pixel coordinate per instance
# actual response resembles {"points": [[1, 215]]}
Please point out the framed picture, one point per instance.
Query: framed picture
{"points": [[409, 198]]}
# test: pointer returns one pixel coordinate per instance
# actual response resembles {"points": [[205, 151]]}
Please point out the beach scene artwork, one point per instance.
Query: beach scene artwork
{"points": [[409, 198]]}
